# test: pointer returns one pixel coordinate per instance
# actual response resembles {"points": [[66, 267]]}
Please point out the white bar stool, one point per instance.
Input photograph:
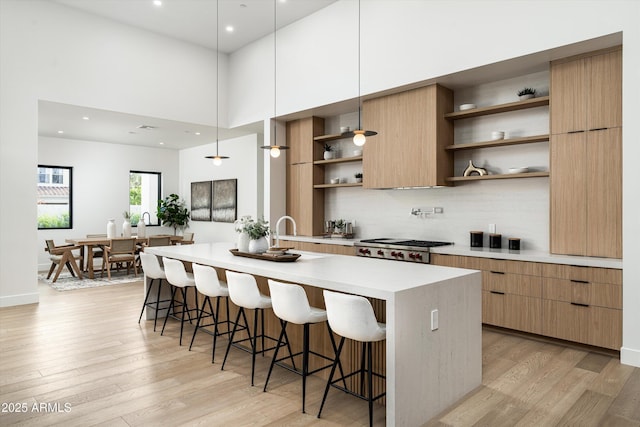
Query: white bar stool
{"points": [[352, 317], [210, 286], [244, 292], [291, 305], [154, 271], [178, 277]]}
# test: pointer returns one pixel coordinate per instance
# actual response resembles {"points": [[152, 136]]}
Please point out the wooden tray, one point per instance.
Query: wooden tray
{"points": [[267, 257]]}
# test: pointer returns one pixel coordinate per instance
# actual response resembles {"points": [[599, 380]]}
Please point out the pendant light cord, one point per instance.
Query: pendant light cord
{"points": [[217, 75], [275, 66], [359, 97]]}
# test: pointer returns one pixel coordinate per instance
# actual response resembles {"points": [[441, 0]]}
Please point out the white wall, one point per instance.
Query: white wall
{"points": [[244, 156], [101, 183], [409, 41], [55, 53]]}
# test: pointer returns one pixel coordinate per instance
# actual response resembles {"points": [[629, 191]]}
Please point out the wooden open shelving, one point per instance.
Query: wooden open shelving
{"points": [[498, 143], [329, 138], [500, 176], [501, 108], [346, 184], [340, 160]]}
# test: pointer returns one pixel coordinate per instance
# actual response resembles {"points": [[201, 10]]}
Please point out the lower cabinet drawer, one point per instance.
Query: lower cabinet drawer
{"points": [[512, 311], [581, 291], [585, 324], [510, 283]]}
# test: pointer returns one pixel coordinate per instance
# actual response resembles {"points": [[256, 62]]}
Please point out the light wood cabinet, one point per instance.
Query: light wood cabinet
{"points": [[573, 303], [586, 92], [586, 155], [586, 193], [304, 203], [326, 248], [409, 150]]}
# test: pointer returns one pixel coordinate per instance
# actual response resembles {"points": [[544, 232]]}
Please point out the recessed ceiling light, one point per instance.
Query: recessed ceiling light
{"points": [[157, 2], [85, 118], [161, 143], [229, 28], [60, 131], [197, 133]]}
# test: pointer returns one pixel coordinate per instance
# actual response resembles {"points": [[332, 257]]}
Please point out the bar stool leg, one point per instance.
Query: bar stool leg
{"points": [[204, 303], [305, 362], [333, 371], [155, 318], [233, 332], [370, 377], [171, 305], [146, 298], [283, 325], [216, 316], [254, 343]]}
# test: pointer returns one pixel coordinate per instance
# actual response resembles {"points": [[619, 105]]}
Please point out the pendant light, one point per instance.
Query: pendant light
{"points": [[274, 149], [217, 159], [359, 135]]}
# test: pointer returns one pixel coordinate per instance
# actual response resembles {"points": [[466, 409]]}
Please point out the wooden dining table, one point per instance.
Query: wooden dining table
{"points": [[91, 242]]}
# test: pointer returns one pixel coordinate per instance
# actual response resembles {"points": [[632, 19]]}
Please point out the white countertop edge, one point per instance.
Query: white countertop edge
{"points": [[357, 275], [529, 255]]}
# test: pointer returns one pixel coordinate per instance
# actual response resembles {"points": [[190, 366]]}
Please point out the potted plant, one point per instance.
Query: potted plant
{"points": [[341, 225], [258, 231], [328, 152], [126, 225], [172, 212], [243, 236], [358, 176], [526, 93]]}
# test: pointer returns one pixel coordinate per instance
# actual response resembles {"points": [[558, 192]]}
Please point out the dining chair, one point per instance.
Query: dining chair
{"points": [[97, 250], [62, 256], [187, 239], [121, 250]]}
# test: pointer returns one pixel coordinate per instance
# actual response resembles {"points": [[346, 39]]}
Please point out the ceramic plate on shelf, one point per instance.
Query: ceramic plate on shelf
{"points": [[518, 170], [464, 107]]}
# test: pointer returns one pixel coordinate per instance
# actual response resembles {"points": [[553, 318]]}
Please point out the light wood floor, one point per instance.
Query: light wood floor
{"points": [[84, 349]]}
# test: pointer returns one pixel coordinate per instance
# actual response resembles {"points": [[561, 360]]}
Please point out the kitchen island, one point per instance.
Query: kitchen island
{"points": [[433, 358]]}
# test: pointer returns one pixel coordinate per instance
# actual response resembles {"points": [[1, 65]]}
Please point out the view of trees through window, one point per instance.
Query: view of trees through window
{"points": [[144, 193], [54, 197]]}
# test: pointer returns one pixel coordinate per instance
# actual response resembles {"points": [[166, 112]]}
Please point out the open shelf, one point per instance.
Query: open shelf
{"points": [[502, 108], [500, 176], [498, 143], [347, 184], [340, 160], [328, 138]]}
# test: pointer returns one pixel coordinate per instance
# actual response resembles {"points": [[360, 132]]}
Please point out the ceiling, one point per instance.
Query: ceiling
{"points": [[192, 21]]}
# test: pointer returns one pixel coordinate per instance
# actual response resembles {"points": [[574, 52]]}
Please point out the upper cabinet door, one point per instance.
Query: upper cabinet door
{"points": [[604, 109], [412, 133], [568, 100], [300, 133]]}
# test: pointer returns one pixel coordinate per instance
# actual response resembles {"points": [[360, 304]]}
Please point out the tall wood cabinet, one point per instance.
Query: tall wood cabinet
{"points": [[409, 150], [304, 203], [586, 155]]}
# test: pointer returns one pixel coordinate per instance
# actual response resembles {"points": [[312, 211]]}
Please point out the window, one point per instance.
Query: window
{"points": [[54, 197], [144, 193]]}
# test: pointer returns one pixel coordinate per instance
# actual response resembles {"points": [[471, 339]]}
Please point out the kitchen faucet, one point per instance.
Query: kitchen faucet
{"points": [[278, 224], [149, 215]]}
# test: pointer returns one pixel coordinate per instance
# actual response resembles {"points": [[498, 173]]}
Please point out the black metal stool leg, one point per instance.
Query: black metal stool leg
{"points": [[184, 307], [333, 371], [283, 326], [155, 318], [370, 375], [233, 332], [216, 316], [204, 303], [173, 295], [305, 362], [146, 298], [254, 343]]}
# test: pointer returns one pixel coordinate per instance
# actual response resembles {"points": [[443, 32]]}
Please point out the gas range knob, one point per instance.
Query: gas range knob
{"points": [[412, 255], [419, 257], [380, 252], [394, 253], [364, 251], [400, 255]]}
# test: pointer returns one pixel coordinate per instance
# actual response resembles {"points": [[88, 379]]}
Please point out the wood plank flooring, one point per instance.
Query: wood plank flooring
{"points": [[79, 358]]}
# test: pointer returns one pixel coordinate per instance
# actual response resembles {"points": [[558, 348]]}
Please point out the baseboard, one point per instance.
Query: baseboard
{"points": [[630, 356], [22, 299]]}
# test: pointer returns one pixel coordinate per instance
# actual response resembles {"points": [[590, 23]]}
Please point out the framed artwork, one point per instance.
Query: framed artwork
{"points": [[225, 200], [201, 201]]}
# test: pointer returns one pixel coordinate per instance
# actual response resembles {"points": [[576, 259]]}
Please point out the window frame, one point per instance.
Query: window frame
{"points": [[53, 167], [158, 197]]}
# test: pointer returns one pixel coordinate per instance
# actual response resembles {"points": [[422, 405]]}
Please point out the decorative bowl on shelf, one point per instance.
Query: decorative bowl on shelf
{"points": [[334, 181], [464, 107], [497, 134], [518, 170]]}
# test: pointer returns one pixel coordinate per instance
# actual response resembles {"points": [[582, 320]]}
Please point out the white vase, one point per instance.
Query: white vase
{"points": [[328, 155], [243, 242], [142, 229], [126, 228], [258, 246], [111, 229]]}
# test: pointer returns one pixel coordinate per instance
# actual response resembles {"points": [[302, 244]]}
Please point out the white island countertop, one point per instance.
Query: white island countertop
{"points": [[430, 364]]}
